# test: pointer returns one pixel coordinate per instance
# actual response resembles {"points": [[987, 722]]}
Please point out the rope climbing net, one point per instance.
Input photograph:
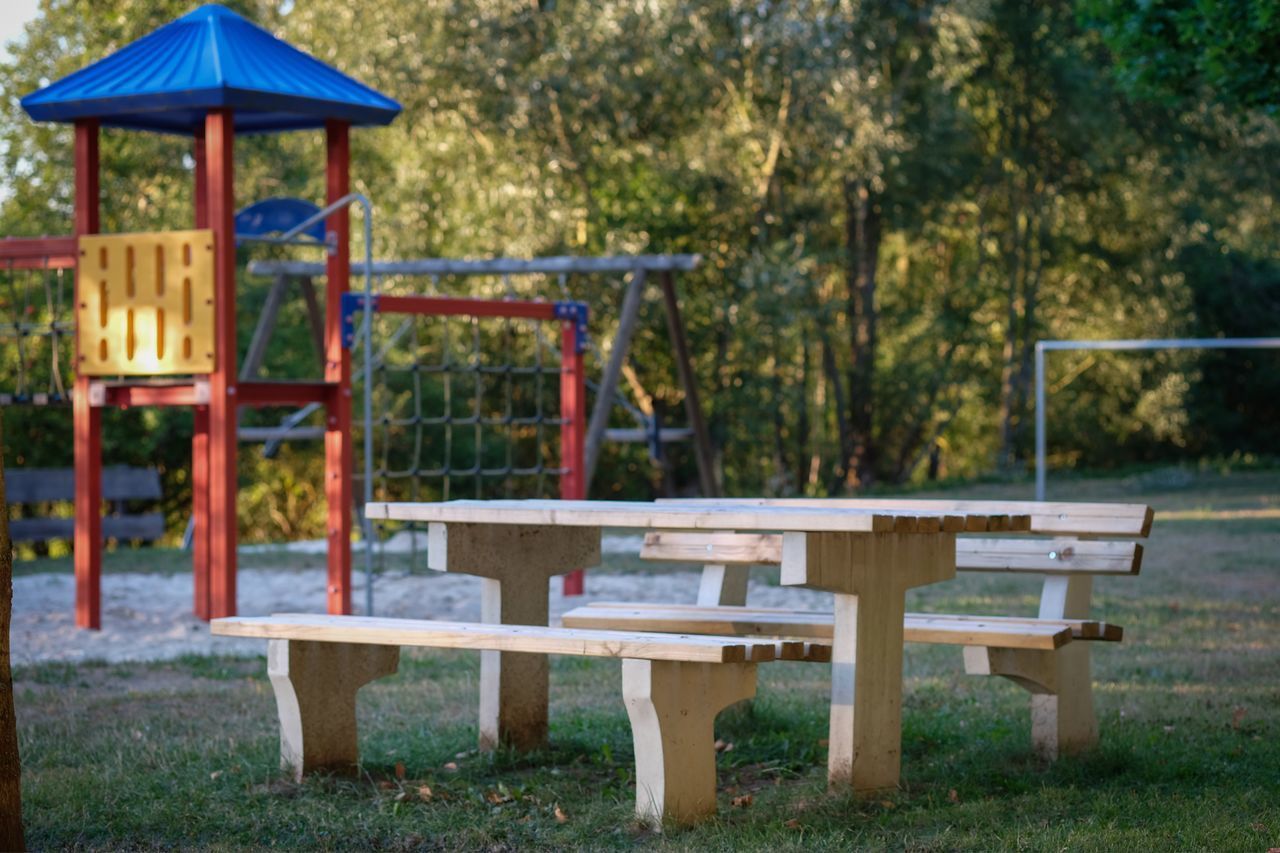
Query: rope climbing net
{"points": [[468, 397], [36, 324], [465, 406]]}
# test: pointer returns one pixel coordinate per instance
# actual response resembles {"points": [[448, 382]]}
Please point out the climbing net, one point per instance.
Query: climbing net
{"points": [[469, 398], [464, 406], [36, 332]]}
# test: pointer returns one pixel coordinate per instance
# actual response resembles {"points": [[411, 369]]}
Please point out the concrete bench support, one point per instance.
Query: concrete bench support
{"points": [[315, 685], [673, 707]]}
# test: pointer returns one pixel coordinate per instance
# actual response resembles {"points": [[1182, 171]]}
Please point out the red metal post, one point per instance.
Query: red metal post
{"points": [[200, 431], [219, 142], [339, 459], [87, 419], [573, 432]]}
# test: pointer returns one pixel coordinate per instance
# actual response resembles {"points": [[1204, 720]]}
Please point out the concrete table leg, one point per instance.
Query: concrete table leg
{"points": [[870, 574], [516, 562]]}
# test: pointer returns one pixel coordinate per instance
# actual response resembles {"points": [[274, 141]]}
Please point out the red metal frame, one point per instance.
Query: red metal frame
{"points": [[573, 390], [215, 401], [200, 421], [339, 455], [87, 420], [38, 253], [573, 432], [222, 527]]}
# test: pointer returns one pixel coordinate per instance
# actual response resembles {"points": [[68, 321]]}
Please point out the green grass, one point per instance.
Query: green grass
{"points": [[184, 754]]}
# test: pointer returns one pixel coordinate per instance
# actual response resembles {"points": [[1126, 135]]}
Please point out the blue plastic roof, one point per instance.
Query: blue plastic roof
{"points": [[211, 57]]}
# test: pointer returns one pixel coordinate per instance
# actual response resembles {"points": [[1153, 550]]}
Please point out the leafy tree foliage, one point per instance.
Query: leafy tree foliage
{"points": [[893, 200], [1172, 51]]}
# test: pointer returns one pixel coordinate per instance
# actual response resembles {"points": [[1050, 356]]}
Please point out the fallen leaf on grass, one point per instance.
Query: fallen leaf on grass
{"points": [[497, 798], [743, 801], [424, 793], [386, 785], [561, 817], [399, 769], [215, 774], [792, 824], [724, 746], [888, 804], [1237, 717], [451, 767], [953, 796]]}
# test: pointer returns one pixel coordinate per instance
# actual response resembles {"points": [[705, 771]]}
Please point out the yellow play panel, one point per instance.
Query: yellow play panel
{"points": [[145, 304]]}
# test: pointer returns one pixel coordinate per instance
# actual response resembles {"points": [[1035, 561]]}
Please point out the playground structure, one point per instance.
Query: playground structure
{"points": [[153, 318]]}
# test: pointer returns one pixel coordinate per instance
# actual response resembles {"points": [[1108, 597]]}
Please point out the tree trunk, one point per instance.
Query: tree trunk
{"points": [[862, 246], [10, 769]]}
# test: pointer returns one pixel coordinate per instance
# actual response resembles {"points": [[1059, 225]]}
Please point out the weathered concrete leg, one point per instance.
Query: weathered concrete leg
{"points": [[865, 751], [515, 563], [673, 707], [315, 685], [1062, 718], [513, 686], [723, 586], [870, 574]]}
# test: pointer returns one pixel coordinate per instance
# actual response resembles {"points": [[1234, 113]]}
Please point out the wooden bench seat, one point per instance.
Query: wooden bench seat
{"points": [[673, 687], [1009, 632], [1068, 544]]}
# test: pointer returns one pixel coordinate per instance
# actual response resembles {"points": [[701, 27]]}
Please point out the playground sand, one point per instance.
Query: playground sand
{"points": [[148, 616]]}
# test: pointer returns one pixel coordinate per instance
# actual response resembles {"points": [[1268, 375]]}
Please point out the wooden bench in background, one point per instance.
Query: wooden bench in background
{"points": [[673, 687], [28, 486], [1048, 654]]}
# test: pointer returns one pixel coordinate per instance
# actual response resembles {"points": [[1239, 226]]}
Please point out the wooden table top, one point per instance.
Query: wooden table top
{"points": [[706, 515]]}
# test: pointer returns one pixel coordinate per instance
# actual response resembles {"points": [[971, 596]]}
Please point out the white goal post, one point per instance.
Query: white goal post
{"points": [[1167, 343]]}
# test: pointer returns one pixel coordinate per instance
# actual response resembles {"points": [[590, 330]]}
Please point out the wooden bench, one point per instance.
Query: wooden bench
{"points": [[26, 486], [1047, 654], [673, 687]]}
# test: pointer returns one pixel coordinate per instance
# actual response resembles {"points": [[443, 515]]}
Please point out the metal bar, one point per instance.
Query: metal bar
{"points": [[492, 266], [1121, 345], [609, 381], [339, 459], [447, 306], [692, 403], [87, 419], [573, 412], [199, 526], [37, 248], [223, 449], [1164, 343], [1040, 434], [131, 395], [285, 393]]}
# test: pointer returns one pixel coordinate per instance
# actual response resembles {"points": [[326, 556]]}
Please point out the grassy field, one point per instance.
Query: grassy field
{"points": [[184, 754]]}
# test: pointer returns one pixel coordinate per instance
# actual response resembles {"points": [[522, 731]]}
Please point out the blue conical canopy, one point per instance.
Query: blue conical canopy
{"points": [[211, 57]]}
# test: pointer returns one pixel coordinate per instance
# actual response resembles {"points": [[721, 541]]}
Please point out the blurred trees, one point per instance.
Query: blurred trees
{"points": [[894, 201]]}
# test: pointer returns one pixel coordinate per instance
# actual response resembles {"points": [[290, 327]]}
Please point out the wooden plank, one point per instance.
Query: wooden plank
{"points": [[554, 265], [1080, 519], [531, 639], [813, 622], [119, 483], [703, 516], [943, 629], [736, 549], [1034, 555]]}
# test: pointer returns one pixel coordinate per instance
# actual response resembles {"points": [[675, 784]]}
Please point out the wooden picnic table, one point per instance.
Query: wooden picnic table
{"points": [[866, 557]]}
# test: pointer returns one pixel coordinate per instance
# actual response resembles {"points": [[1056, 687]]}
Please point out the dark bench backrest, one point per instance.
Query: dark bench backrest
{"points": [[49, 485], [119, 483]]}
